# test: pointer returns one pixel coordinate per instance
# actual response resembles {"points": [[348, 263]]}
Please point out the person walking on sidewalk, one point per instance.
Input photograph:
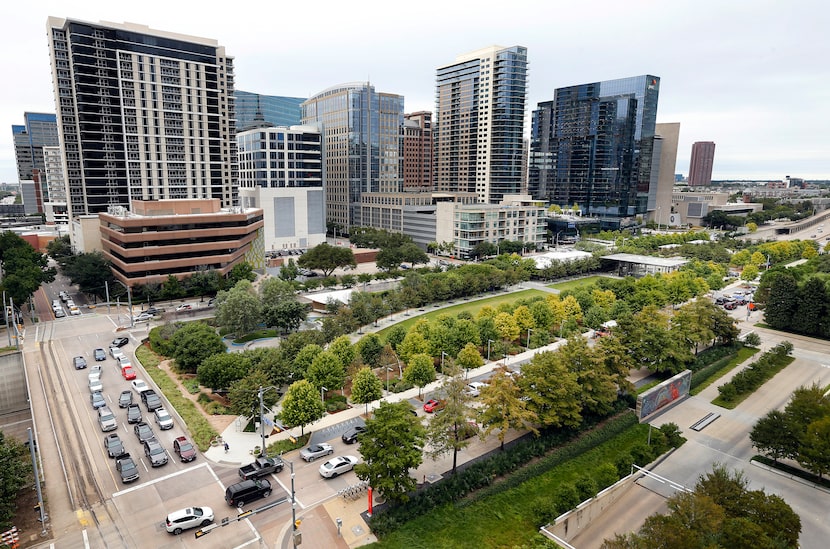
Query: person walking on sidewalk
{"points": [[227, 447]]}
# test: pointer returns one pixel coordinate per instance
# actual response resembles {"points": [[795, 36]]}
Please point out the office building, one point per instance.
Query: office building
{"points": [[361, 143], [417, 152], [666, 138], [143, 115], [158, 238], [254, 108], [281, 173], [700, 168], [55, 208], [479, 123], [39, 130], [593, 146]]}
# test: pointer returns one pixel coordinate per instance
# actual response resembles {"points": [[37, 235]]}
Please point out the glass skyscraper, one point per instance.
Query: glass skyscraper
{"points": [[479, 123], [254, 108], [594, 146], [362, 145]]}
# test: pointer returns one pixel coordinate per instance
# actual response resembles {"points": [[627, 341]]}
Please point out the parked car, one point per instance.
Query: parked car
{"points": [[97, 400], [134, 414], [59, 313], [155, 452], [113, 445], [139, 386], [730, 305], [119, 341], [128, 373], [316, 450], [143, 432], [126, 466], [74, 310], [184, 449], [433, 405], [106, 419], [337, 466], [79, 362], [350, 436], [99, 355], [246, 491], [95, 371], [183, 519], [163, 419], [125, 399]]}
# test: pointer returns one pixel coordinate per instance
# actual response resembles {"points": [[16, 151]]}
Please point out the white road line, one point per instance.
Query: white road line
{"points": [[150, 483], [288, 491]]}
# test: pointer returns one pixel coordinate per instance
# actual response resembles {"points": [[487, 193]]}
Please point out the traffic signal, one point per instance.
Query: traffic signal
{"points": [[297, 523]]}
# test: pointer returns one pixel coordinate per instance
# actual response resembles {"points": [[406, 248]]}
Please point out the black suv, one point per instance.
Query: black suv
{"points": [[248, 490], [126, 466], [155, 452], [151, 400], [350, 436]]}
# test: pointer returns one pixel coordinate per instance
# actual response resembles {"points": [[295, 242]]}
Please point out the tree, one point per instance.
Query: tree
{"points": [[598, 389], [304, 358], [413, 344], [280, 308], [90, 271], [244, 394], [552, 390], [420, 371], [782, 303], [206, 282], [301, 405], [814, 453], [327, 258], [221, 370], [239, 309], [469, 358], [343, 349], [648, 339], [241, 271], [506, 327], [15, 473], [750, 273], [59, 249], [326, 371], [502, 407], [445, 432], [193, 343], [773, 436], [289, 271], [366, 387], [370, 348], [391, 447]]}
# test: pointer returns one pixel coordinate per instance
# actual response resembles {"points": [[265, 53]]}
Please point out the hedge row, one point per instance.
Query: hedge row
{"points": [[753, 376], [483, 473], [705, 376]]}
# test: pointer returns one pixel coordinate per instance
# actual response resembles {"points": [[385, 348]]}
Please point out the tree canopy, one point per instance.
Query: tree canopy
{"points": [[301, 405], [24, 268], [327, 258], [193, 343]]}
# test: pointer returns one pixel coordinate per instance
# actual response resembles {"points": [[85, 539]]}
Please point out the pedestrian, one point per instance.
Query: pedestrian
{"points": [[227, 447]]}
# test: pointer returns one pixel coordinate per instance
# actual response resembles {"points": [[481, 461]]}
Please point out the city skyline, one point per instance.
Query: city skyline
{"points": [[734, 75]]}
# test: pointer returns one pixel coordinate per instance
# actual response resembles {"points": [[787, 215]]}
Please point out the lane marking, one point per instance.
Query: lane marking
{"points": [[160, 479]]}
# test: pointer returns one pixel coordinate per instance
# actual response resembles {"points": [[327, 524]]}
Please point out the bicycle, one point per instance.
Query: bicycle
{"points": [[217, 441]]}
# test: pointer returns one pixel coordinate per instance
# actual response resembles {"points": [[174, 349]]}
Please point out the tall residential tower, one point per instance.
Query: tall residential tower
{"points": [[700, 168], [143, 114], [479, 123]]}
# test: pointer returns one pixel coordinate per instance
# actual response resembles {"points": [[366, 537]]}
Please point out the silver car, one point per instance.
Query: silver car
{"points": [[106, 419], [316, 450], [163, 419]]}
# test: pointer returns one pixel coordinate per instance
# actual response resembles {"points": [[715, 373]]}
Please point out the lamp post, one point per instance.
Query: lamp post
{"points": [[556, 239], [129, 301], [528, 337], [505, 360], [262, 418], [322, 394], [658, 219], [489, 341], [443, 354]]}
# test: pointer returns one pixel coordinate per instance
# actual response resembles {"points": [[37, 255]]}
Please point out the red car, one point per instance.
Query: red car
{"points": [[128, 373], [184, 449], [433, 405]]}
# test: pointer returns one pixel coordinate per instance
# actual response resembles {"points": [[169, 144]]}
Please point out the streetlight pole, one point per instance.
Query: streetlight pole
{"points": [[528, 337], [262, 418], [443, 354], [489, 341], [293, 507], [322, 394], [505, 359]]}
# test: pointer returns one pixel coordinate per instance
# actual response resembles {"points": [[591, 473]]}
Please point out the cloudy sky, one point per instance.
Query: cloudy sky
{"points": [[753, 76]]}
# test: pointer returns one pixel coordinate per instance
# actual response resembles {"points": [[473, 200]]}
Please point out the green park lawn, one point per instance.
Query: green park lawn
{"points": [[577, 283], [473, 307]]}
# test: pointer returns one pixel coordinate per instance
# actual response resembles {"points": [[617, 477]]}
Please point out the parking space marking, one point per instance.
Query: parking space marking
{"points": [[154, 481]]}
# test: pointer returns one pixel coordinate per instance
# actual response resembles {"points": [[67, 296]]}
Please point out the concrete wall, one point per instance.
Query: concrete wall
{"points": [[13, 394]]}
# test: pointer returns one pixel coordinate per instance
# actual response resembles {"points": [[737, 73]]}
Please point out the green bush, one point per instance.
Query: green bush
{"points": [[203, 399], [623, 464], [642, 454], [566, 498], [705, 376], [586, 488], [753, 376], [192, 385], [216, 409], [285, 445], [606, 475], [672, 433]]}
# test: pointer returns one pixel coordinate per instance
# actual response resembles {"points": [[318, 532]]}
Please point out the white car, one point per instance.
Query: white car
{"points": [[123, 361], [337, 466], [188, 518], [116, 353], [163, 419], [95, 384], [139, 386], [143, 317], [474, 388], [74, 311]]}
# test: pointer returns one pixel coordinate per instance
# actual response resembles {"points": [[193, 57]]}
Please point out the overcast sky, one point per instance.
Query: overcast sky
{"points": [[752, 76]]}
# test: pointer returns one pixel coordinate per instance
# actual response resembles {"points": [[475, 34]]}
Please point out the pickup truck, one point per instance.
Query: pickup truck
{"points": [[261, 467]]}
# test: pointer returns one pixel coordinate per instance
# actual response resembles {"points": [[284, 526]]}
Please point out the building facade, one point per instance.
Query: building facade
{"points": [[55, 208], [159, 238], [479, 123], [252, 108], [39, 130], [417, 151], [516, 218], [593, 146], [362, 145], [281, 173], [700, 167], [143, 115]]}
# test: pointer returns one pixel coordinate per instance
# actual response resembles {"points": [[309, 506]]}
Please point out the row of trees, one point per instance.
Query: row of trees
{"points": [[801, 306], [800, 432], [22, 267], [243, 308]]}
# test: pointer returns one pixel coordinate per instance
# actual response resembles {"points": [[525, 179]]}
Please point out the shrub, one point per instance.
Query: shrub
{"points": [[215, 409], [586, 488], [203, 399], [606, 475], [753, 376], [285, 445], [672, 434], [623, 465], [566, 498], [544, 511], [641, 454], [192, 385]]}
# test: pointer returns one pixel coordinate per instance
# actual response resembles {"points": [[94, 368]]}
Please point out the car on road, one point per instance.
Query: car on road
{"points": [[74, 310], [184, 449], [125, 399], [113, 445], [119, 341], [106, 419], [139, 386], [95, 384], [248, 490], [134, 414], [116, 353], [474, 388], [95, 371], [151, 400], [59, 313], [315, 451], [337, 466], [155, 452], [126, 466], [143, 432], [97, 400], [144, 317], [79, 362], [163, 419], [184, 519], [99, 355], [433, 405], [127, 372], [123, 360], [152, 311], [184, 307], [350, 436]]}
